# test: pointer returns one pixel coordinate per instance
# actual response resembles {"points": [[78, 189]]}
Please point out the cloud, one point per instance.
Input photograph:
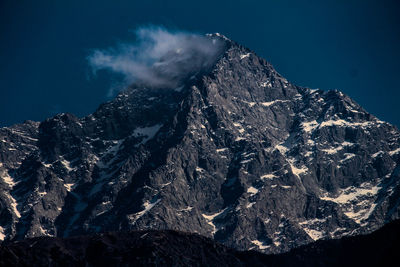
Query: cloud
{"points": [[159, 57]]}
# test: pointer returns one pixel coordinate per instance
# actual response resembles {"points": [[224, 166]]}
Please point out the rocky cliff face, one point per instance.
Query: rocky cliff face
{"points": [[238, 154]]}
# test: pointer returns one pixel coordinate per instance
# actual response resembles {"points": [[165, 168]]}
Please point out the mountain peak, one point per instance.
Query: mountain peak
{"points": [[234, 152]]}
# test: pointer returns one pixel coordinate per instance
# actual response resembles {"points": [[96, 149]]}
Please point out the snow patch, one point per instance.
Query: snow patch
{"points": [[350, 193], [313, 221], [295, 170], [347, 157], [314, 234], [251, 104], [67, 165], [2, 235], [267, 104], [198, 169], [42, 194], [210, 219], [358, 203], [393, 152], [188, 208], [268, 176], [377, 154], [11, 183], [250, 205], [246, 161], [362, 214], [332, 151], [310, 126], [7, 178], [147, 132], [344, 123], [260, 244], [239, 126], [147, 206], [311, 227], [69, 187], [266, 84], [252, 190], [244, 55], [14, 206], [282, 149]]}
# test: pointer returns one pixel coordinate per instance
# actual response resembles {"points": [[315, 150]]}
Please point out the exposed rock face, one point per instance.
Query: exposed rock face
{"points": [[238, 154]]}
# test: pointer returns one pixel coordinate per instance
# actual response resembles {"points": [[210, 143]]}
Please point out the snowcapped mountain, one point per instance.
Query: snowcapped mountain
{"points": [[237, 153]]}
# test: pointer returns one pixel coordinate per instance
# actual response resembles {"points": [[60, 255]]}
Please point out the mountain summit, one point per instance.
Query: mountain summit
{"points": [[236, 153]]}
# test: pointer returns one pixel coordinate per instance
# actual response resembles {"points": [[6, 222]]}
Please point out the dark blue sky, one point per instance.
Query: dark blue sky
{"points": [[348, 45]]}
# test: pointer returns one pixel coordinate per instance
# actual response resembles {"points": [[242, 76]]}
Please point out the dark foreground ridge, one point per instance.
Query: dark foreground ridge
{"points": [[172, 248]]}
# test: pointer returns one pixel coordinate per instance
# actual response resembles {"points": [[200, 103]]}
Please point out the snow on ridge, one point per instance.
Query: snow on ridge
{"points": [[239, 127], [219, 35], [267, 104], [313, 234], [11, 183], [188, 208], [335, 150], [309, 126], [147, 206], [377, 154], [7, 178], [244, 55], [347, 157], [251, 204], [341, 122], [266, 84], [313, 221], [362, 214], [69, 187], [393, 152], [332, 151], [200, 170], [251, 104], [148, 132], [358, 203], [252, 190], [350, 193], [260, 244], [211, 217], [67, 165], [2, 235], [311, 227], [295, 170], [14, 205], [282, 149], [268, 176]]}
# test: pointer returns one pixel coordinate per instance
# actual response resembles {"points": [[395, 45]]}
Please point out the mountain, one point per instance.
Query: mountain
{"points": [[171, 248], [237, 153]]}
